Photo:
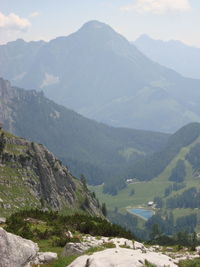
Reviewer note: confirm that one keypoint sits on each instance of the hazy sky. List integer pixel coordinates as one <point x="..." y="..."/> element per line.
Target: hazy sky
<point x="47" y="19"/>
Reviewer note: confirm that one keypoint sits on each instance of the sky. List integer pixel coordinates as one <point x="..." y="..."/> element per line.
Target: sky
<point x="48" y="19"/>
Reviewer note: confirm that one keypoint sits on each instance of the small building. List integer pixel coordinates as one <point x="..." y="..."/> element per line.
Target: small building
<point x="150" y="203"/>
<point x="129" y="181"/>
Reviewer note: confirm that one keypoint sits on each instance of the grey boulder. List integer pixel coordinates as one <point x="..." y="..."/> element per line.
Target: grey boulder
<point x="75" y="249"/>
<point x="16" y="251"/>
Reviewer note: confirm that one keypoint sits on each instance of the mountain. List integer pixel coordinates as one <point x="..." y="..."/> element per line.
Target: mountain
<point x="16" y="58"/>
<point x="172" y="54"/>
<point x="32" y="177"/>
<point x="186" y="139"/>
<point x="170" y="180"/>
<point x="98" y="73"/>
<point x="177" y="169"/>
<point x="99" y="151"/>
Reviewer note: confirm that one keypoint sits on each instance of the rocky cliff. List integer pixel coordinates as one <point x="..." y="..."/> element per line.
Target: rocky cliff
<point x="31" y="176"/>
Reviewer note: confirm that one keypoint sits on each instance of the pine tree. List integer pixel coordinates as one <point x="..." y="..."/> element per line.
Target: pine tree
<point x="83" y="181"/>
<point x="2" y="143"/>
<point x="104" y="209"/>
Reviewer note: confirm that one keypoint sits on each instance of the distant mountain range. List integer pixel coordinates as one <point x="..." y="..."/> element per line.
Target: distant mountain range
<point x="99" y="151"/>
<point x="98" y="73"/>
<point x="173" y="54"/>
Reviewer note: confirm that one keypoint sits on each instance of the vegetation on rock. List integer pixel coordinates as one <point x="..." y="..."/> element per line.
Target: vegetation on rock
<point x="31" y="176"/>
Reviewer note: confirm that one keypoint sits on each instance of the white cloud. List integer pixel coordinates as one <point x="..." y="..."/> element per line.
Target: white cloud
<point x="158" y="6"/>
<point x="13" y="22"/>
<point x="34" y="14"/>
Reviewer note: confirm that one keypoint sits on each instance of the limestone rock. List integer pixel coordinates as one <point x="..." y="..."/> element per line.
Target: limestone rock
<point x="44" y="180"/>
<point x="198" y="249"/>
<point x="45" y="257"/>
<point x="2" y="220"/>
<point x="75" y="248"/>
<point x="138" y="245"/>
<point x="122" y="257"/>
<point x="16" y="251"/>
<point x="69" y="234"/>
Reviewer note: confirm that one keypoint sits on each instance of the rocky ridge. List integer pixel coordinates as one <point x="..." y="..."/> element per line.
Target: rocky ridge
<point x="31" y="176"/>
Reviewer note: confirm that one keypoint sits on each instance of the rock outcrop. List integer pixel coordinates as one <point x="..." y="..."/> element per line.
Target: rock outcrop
<point x="33" y="177"/>
<point x="122" y="257"/>
<point x="44" y="257"/>
<point x="123" y="253"/>
<point x="2" y="220"/>
<point x="16" y="251"/>
<point x="19" y="252"/>
<point x="75" y="249"/>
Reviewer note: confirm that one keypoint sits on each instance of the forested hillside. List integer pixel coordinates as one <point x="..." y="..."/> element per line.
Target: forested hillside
<point x="157" y="162"/>
<point x="98" y="151"/>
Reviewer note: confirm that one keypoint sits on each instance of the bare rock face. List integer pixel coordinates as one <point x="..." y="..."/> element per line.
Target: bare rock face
<point x="16" y="251"/>
<point x="45" y="257"/>
<point x="75" y="249"/>
<point x="126" y="253"/>
<point x="122" y="257"/>
<point x="42" y="180"/>
<point x="2" y="220"/>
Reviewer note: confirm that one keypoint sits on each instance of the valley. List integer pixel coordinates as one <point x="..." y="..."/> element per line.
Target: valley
<point x="160" y="190"/>
<point x="101" y="152"/>
<point x="99" y="136"/>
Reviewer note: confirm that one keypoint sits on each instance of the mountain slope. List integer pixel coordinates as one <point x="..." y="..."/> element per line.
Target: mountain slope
<point x="16" y="58"/>
<point x="169" y="178"/>
<point x="98" y="73"/>
<point x="31" y="177"/>
<point x="179" y="143"/>
<point x="95" y="149"/>
<point x="172" y="54"/>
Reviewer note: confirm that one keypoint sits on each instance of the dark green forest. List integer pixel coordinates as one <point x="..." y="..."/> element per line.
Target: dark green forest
<point x="100" y="152"/>
<point x="157" y="162"/>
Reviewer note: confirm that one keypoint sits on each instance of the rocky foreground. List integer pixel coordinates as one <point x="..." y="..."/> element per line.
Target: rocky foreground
<point x="122" y="257"/>
<point x="92" y="251"/>
<point x="125" y="253"/>
<point x="16" y="251"/>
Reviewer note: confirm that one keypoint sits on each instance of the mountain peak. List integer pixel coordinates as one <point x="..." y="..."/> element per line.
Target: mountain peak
<point x="100" y="33"/>
<point x="95" y="24"/>
<point x="144" y="36"/>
